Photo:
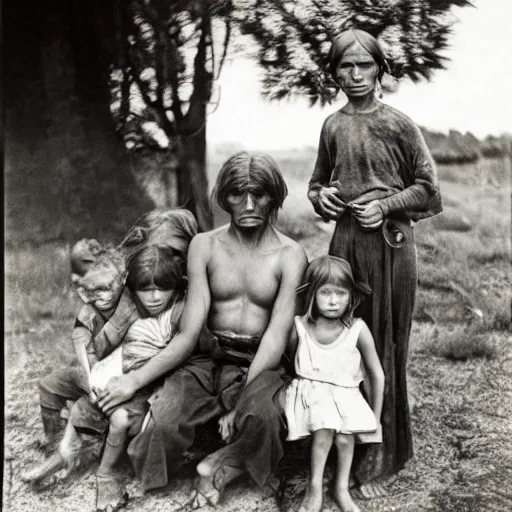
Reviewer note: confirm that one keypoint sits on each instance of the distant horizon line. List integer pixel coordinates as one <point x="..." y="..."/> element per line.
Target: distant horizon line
<point x="243" y="145"/>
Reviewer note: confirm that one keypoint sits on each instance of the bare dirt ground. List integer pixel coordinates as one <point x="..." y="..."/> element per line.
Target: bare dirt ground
<point x="460" y="374"/>
<point x="461" y="421"/>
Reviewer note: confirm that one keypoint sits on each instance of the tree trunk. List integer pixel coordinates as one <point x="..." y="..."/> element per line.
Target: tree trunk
<point x="68" y="171"/>
<point x="193" y="180"/>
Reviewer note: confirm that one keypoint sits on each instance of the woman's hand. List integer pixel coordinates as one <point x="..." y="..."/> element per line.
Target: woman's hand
<point x="118" y="390"/>
<point x="227" y="426"/>
<point x="329" y="204"/>
<point x="369" y="215"/>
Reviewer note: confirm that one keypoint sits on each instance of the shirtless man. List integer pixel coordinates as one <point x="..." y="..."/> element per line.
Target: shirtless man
<point x="242" y="282"/>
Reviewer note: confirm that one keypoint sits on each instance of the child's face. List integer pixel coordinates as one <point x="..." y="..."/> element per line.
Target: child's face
<point x="332" y="301"/>
<point x="102" y="287"/>
<point x="154" y="300"/>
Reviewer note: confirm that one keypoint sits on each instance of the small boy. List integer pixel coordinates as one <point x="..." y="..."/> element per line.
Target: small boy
<point x="99" y="275"/>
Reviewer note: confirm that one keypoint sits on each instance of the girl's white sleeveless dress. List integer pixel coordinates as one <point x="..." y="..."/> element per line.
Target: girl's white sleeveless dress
<point x="326" y="392"/>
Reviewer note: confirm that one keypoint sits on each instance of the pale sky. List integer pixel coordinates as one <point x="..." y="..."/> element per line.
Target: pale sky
<point x="473" y="94"/>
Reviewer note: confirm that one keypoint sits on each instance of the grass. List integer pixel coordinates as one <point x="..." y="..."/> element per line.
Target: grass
<point x="463" y="343"/>
<point x="38" y="286"/>
<point x="460" y="363"/>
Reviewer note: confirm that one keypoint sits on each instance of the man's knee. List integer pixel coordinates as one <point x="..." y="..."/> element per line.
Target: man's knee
<point x="204" y="469"/>
<point x="119" y="420"/>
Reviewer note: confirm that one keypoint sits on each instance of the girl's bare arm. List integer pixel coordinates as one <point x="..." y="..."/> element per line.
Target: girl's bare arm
<point x="371" y="361"/>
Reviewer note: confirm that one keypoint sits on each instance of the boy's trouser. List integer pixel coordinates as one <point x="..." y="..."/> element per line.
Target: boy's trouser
<point x="55" y="389"/>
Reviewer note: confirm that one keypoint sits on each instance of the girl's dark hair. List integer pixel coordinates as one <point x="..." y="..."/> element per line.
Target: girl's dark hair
<point x="153" y="265"/>
<point x="346" y="39"/>
<point x="329" y="270"/>
<point x="158" y="226"/>
<point x="258" y="168"/>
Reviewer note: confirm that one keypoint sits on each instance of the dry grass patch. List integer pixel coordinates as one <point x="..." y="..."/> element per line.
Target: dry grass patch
<point x="452" y="220"/>
<point x="463" y="344"/>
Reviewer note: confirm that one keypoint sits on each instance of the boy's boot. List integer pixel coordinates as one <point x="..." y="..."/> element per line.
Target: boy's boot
<point x="53" y="425"/>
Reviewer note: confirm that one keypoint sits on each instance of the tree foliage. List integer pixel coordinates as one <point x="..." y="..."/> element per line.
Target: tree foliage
<point x="294" y="39"/>
<point x="169" y="53"/>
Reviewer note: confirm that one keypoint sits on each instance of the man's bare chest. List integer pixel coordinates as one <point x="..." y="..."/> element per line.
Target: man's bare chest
<point x="254" y="275"/>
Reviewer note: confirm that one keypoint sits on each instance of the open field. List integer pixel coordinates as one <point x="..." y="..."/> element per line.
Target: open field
<point x="460" y="363"/>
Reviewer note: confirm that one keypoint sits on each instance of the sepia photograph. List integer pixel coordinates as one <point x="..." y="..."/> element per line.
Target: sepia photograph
<point x="257" y="255"/>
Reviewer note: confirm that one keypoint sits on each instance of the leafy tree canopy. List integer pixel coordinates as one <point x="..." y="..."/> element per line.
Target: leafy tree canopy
<point x="169" y="53"/>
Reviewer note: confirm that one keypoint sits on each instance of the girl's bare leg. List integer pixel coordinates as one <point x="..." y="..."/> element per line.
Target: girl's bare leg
<point x="345" y="446"/>
<point x="322" y="442"/>
<point x="109" y="492"/>
<point x="66" y="455"/>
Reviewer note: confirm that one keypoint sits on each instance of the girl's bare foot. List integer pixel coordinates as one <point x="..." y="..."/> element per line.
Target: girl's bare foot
<point x="313" y="500"/>
<point x="344" y="500"/>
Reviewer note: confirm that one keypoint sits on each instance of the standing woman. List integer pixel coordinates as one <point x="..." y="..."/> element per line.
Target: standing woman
<point x="374" y="175"/>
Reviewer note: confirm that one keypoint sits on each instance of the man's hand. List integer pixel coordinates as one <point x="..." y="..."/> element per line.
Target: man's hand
<point x="227" y="426"/>
<point x="369" y="215"/>
<point x="331" y="206"/>
<point x="118" y="390"/>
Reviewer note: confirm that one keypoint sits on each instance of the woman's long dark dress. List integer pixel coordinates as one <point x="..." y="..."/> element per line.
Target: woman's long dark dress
<point x="381" y="155"/>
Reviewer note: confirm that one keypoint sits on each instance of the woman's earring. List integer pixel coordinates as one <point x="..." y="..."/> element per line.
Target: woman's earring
<point x="378" y="90"/>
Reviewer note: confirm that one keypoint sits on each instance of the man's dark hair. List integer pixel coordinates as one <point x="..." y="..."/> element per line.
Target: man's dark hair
<point x="259" y="169"/>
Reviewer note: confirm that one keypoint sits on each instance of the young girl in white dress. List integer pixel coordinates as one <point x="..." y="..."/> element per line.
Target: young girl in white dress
<point x="324" y="399"/>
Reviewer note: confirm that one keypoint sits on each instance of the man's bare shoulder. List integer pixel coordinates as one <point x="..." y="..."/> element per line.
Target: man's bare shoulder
<point x="200" y="243"/>
<point x="289" y="243"/>
<point x="291" y="248"/>
<point x="204" y="243"/>
<point x="207" y="239"/>
<point x="218" y="233"/>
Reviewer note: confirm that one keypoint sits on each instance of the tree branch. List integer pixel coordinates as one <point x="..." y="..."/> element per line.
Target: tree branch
<point x="196" y="115"/>
<point x="121" y="41"/>
<point x="227" y="37"/>
<point x="166" y="53"/>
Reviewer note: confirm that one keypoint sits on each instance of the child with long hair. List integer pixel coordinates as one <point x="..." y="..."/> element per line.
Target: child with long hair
<point x="158" y="283"/>
<point x="324" y="399"/>
<point x="156" y="278"/>
<point x="98" y="274"/>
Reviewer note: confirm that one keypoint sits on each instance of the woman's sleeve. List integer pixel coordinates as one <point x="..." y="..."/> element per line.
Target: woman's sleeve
<point x="322" y="171"/>
<point x="421" y="196"/>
